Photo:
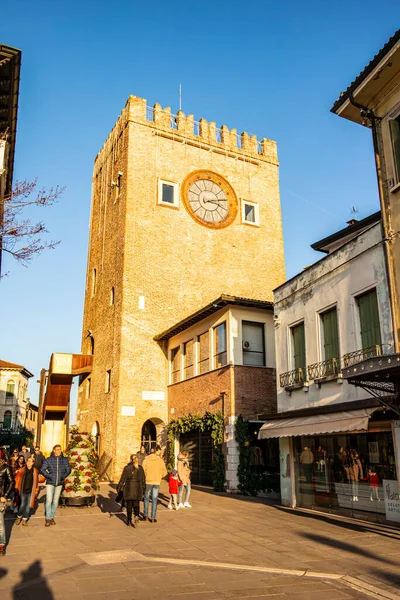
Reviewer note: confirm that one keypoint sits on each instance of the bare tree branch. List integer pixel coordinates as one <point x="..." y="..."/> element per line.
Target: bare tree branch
<point x="20" y="237"/>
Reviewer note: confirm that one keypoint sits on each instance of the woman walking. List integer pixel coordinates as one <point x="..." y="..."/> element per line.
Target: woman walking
<point x="26" y="485"/>
<point x="184" y="476"/>
<point x="132" y="485"/>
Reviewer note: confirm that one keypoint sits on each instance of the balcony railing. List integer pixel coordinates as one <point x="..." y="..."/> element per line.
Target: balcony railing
<point x="358" y="356"/>
<point x="326" y="368"/>
<point x="295" y="377"/>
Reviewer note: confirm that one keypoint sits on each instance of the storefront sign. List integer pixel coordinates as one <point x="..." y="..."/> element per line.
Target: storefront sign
<point x="392" y="499"/>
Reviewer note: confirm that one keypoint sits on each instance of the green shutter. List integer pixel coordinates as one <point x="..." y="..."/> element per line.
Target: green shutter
<point x="299" y="347"/>
<point x="331" y="337"/>
<point x="395" y="136"/>
<point x="369" y="319"/>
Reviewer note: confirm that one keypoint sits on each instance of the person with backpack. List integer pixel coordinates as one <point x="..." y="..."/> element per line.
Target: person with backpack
<point x="131" y="487"/>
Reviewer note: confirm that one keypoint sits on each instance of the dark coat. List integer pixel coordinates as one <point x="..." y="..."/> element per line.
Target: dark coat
<point x="132" y="482"/>
<point x="6" y="481"/>
<point x="55" y="469"/>
<point x="39" y="460"/>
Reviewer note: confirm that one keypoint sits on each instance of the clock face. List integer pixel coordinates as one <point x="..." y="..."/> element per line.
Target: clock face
<point x="209" y="199"/>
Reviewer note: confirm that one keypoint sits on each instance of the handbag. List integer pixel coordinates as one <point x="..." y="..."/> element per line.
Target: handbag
<point x="119" y="497"/>
<point x="41" y="479"/>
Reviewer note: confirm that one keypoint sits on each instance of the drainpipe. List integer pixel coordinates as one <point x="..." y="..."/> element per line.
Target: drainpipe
<point x="385" y="211"/>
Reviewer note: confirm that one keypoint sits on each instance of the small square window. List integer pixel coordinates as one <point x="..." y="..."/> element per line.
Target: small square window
<point x="168" y="193"/>
<point x="250" y="213"/>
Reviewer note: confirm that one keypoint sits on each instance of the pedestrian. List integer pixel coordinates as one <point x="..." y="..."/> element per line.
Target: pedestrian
<point x="173" y="484"/>
<point x="6" y="485"/>
<point x="39" y="458"/>
<point x="14" y="458"/>
<point x="132" y="486"/>
<point x="141" y="455"/>
<point x="154" y="470"/>
<point x="184" y="476"/>
<point x="26" y="483"/>
<point x="55" y="469"/>
<point x="25" y="452"/>
<point x="18" y="465"/>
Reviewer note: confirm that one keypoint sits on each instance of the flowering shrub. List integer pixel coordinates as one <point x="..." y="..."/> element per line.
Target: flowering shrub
<point x="83" y="479"/>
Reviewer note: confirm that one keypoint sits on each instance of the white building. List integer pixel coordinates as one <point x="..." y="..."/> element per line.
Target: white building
<point x="334" y="314"/>
<point x="13" y="395"/>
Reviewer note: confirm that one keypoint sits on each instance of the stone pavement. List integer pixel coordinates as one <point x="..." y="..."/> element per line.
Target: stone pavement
<point x="224" y="547"/>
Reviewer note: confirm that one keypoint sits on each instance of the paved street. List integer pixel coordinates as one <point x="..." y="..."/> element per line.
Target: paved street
<point x="262" y="551"/>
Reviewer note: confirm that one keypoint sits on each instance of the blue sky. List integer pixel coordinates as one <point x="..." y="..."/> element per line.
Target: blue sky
<point x="269" y="68"/>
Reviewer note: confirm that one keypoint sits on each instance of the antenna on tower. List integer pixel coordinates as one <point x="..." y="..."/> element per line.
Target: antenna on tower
<point x="354" y="211"/>
<point x="180" y="96"/>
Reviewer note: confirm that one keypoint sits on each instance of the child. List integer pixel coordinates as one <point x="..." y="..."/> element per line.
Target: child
<point x="174" y="484"/>
<point x="373" y="480"/>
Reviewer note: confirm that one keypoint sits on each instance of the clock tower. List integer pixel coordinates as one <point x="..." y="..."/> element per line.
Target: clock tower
<point x="182" y="212"/>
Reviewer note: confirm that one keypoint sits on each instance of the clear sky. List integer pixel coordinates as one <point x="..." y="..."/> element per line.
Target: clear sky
<point x="269" y="68"/>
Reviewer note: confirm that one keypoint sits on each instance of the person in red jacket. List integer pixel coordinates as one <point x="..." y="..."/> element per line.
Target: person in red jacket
<point x="373" y="480"/>
<point x="174" y="484"/>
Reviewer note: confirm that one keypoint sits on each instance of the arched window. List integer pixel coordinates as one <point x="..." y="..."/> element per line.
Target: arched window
<point x="7" y="419"/>
<point x="10" y="390"/>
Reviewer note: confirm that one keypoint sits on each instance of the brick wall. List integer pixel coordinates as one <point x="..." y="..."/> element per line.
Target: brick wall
<point x="255" y="391"/>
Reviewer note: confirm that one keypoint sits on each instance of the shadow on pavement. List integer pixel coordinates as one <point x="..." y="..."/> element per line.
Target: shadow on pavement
<point x="32" y="584"/>
<point x="391" y="578"/>
<point x="340" y="545"/>
<point x="3" y="573"/>
<point x="387" y="531"/>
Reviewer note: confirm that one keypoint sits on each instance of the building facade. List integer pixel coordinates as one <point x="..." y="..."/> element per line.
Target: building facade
<point x="182" y="211"/>
<point x="14" y="381"/>
<point x="337" y="443"/>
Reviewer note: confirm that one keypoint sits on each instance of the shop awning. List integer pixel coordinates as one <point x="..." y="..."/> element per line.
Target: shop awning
<point x="351" y="420"/>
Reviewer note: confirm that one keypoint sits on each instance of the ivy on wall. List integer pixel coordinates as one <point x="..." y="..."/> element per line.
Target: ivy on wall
<point x="213" y="422"/>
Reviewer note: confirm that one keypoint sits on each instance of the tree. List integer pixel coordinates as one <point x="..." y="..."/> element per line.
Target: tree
<point x="19" y="236"/>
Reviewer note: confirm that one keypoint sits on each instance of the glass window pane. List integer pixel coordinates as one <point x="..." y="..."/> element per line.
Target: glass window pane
<point x="168" y="193"/>
<point x="220" y="353"/>
<point x="253" y="344"/>
<point x="204" y="352"/>
<point x="176" y="364"/>
<point x="188" y="349"/>
<point x="249" y="213"/>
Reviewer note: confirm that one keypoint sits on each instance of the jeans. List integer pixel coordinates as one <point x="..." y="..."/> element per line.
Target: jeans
<point x="173" y="500"/>
<point x="152" y="490"/>
<point x="2" y="528"/>
<point x="24" y="509"/>
<point x="52" y="497"/>
<point x="180" y="492"/>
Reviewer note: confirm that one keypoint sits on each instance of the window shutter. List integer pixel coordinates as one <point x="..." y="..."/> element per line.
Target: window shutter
<point x="394" y="125"/>
<point x="331" y="337"/>
<point x="369" y="319"/>
<point x="299" y="347"/>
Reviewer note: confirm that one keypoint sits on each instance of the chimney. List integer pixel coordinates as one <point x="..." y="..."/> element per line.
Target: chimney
<point x="352" y="222"/>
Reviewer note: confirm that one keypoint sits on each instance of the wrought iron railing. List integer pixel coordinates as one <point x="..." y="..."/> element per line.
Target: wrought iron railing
<point x="353" y="358"/>
<point x="295" y="377"/>
<point x="325" y="368"/>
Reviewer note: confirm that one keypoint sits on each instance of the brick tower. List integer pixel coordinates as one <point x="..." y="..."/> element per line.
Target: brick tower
<point x="182" y="211"/>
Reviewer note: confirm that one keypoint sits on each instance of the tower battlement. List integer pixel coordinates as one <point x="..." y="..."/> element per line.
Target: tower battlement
<point x="186" y="129"/>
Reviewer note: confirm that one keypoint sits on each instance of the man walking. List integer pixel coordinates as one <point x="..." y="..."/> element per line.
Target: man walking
<point x="55" y="468"/>
<point x="39" y="458"/>
<point x="25" y="452"/>
<point x="154" y="469"/>
<point x="6" y="485"/>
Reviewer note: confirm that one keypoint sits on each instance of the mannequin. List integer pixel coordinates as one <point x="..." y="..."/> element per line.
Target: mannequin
<point x="355" y="473"/>
<point x="307" y="459"/>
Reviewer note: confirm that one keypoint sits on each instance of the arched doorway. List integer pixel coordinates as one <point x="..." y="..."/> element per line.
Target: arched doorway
<point x="95" y="433"/>
<point x="153" y="434"/>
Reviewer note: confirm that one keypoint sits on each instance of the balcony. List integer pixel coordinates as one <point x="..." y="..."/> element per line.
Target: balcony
<point x="295" y="378"/>
<point x="326" y="369"/>
<point x="352" y="358"/>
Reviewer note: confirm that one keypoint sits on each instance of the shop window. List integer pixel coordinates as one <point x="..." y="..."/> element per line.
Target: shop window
<point x="220" y="352"/>
<point x="298" y="342"/>
<point x="175" y="364"/>
<point x="188" y="353"/>
<point x="368" y="313"/>
<point x="253" y="343"/>
<point x="204" y="352"/>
